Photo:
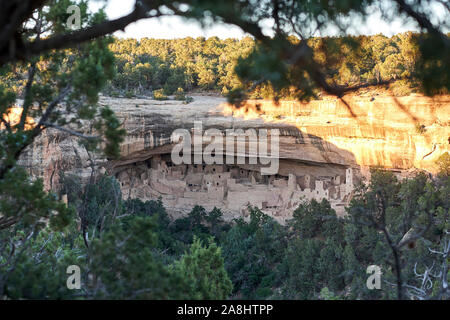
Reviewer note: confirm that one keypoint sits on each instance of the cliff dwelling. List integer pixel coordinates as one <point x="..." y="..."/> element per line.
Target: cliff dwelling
<point x="324" y="152"/>
<point x="233" y="188"/>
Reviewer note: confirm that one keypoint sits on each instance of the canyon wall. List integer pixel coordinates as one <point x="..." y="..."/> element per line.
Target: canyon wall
<point x="325" y="147"/>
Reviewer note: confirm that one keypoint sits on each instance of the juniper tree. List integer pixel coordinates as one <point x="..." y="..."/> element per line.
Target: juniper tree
<point x="60" y="91"/>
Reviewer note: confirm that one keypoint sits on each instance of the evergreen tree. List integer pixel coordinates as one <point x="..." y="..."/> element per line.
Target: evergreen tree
<point x="204" y="272"/>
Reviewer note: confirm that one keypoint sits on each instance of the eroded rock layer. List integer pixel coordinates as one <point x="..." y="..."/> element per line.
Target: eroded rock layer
<point x="325" y="147"/>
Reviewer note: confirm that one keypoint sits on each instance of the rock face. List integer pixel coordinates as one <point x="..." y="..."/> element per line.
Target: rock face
<point x="325" y="148"/>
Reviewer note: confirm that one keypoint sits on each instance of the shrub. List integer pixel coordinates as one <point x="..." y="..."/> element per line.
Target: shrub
<point x="159" y="95"/>
<point x="188" y="99"/>
<point x="180" y="95"/>
<point x="443" y="163"/>
<point x="402" y="88"/>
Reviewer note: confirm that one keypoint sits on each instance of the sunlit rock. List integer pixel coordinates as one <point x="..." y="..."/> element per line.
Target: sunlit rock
<point x="325" y="148"/>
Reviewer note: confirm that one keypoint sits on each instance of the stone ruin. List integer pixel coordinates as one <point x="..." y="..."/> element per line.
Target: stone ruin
<point x="324" y="150"/>
<point x="232" y="188"/>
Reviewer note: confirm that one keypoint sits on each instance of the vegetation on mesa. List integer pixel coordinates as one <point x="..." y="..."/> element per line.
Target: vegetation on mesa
<point x="162" y="68"/>
<point x="167" y="67"/>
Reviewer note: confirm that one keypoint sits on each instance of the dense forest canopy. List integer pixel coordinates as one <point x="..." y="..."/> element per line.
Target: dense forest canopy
<point x="209" y="64"/>
<point x="130" y="249"/>
<point x="174" y="67"/>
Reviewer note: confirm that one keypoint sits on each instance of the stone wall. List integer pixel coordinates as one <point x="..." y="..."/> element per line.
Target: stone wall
<point x="231" y="187"/>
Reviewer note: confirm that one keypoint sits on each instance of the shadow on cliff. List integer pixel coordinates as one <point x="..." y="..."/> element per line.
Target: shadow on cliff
<point x="295" y="146"/>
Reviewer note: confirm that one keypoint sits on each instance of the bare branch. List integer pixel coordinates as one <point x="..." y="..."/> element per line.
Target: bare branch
<point x="36" y="130"/>
<point x="422" y="20"/>
<point x="52" y="105"/>
<point x="27" y="96"/>
<point x="6" y="123"/>
<point x="14" y="13"/>
<point x="72" y="132"/>
<point x="39" y="46"/>
<point x="6" y="222"/>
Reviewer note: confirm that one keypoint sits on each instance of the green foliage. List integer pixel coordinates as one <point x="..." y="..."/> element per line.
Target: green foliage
<point x="314" y="219"/>
<point x="197" y="215"/>
<point x="109" y="126"/>
<point x="188" y="99"/>
<point x="159" y="95"/>
<point x="101" y="203"/>
<point x="228" y="65"/>
<point x="132" y="271"/>
<point x="314" y="257"/>
<point x="412" y="205"/>
<point x="59" y="89"/>
<point x="326" y="294"/>
<point x="135" y="251"/>
<point x="32" y="207"/>
<point x="307" y="64"/>
<point x="444" y="164"/>
<point x="203" y="269"/>
<point x="302" y="269"/>
<point x="433" y="69"/>
<point x="180" y="95"/>
<point x="200" y="224"/>
<point x="252" y="250"/>
<point x="39" y="271"/>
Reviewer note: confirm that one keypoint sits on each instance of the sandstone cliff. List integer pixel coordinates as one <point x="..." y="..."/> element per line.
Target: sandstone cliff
<point x="319" y="142"/>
